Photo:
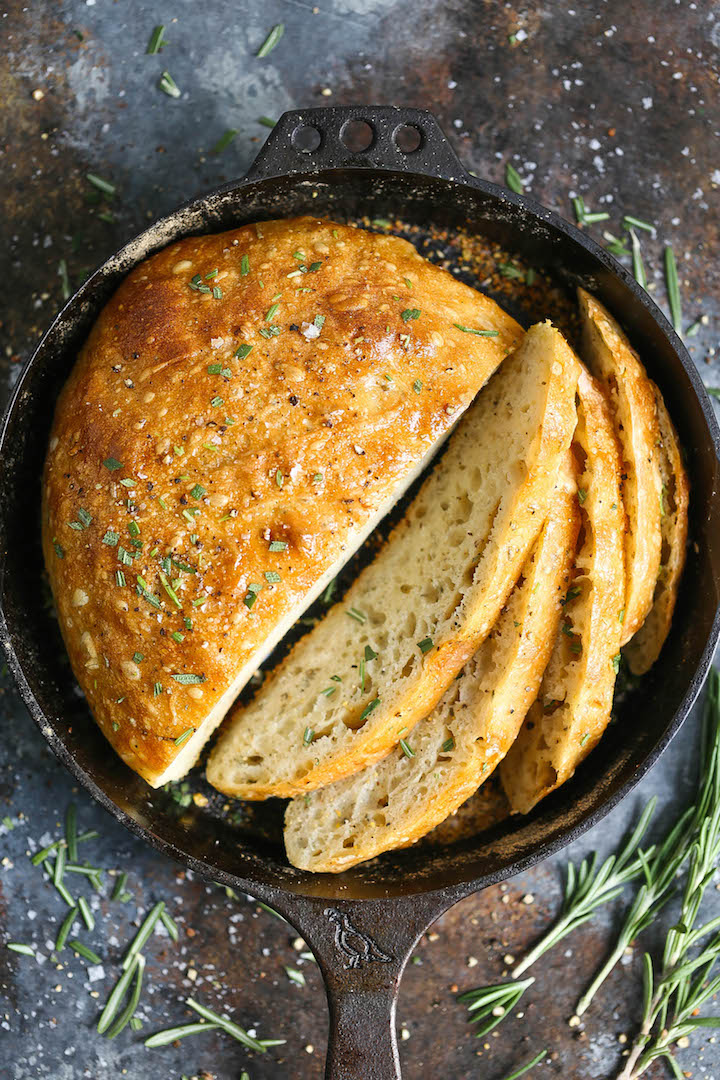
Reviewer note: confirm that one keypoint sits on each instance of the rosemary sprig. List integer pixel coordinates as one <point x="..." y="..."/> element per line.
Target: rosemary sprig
<point x="588" y="888"/>
<point x="214" y="1021"/>
<point x="672" y="998"/>
<point x="698" y="826"/>
<point x="493" y="1003"/>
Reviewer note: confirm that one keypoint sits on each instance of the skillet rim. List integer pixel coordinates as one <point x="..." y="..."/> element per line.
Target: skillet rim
<point x="201" y="206"/>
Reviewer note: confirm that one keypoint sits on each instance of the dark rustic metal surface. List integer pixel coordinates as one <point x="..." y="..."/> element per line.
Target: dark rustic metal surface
<point x="548" y="102"/>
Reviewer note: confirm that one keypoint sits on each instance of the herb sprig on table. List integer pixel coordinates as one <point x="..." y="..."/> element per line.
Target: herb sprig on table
<point x="60" y="860"/>
<point x="683" y="981"/>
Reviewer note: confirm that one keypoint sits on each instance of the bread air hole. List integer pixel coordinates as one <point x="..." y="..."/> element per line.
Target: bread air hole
<point x="408" y="667"/>
<point x="353" y="721"/>
<point x="431" y="593"/>
<point x="546" y="775"/>
<point x="454" y="604"/>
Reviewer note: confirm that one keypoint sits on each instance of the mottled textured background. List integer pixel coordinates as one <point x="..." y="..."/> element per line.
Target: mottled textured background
<point x="616" y="101"/>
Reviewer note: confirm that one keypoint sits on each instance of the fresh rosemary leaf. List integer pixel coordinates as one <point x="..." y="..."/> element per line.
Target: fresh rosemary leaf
<point x="87" y="915"/>
<point x="168" y="85"/>
<point x="164" y="1038"/>
<point x="65" y="929"/>
<point x="407" y="749"/>
<point x="18" y="947"/>
<point x="598" y="215"/>
<point x="615" y="246"/>
<point x="492" y="1003"/>
<point x="637" y="261"/>
<point x="673" y="289"/>
<point x="583" y="216"/>
<point x="65" y="289"/>
<point x="170" y="925"/>
<point x="629" y="222"/>
<point x="227" y="1025"/>
<point x="480" y="333"/>
<point x="119" y="888"/>
<point x="224" y="140"/>
<point x="522" y="1069"/>
<point x="157" y="41"/>
<point x="125" y="1016"/>
<point x="271" y="40"/>
<point x="512" y="179"/>
<point x="143" y="934"/>
<point x="84" y="951"/>
<point x="118" y="993"/>
<point x="59" y="869"/>
<point x="102" y="185"/>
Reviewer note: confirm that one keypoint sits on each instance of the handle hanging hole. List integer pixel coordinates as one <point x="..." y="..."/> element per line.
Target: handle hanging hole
<point x="407" y="138"/>
<point x="306" y="139"/>
<point x="357" y="136"/>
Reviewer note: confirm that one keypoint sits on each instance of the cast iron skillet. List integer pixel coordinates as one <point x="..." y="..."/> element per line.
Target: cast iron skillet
<point x="363" y="924"/>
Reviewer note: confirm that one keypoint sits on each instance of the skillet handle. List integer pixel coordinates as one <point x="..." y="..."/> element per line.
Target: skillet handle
<point x="308" y="140"/>
<point x="362" y="949"/>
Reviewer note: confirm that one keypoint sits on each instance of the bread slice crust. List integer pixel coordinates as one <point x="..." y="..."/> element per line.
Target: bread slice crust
<point x="382" y="658"/>
<point x="643" y="649"/>
<point x="454" y="750"/>
<point x="575" y="701"/>
<point x="247" y="405"/>
<point x="613" y="361"/>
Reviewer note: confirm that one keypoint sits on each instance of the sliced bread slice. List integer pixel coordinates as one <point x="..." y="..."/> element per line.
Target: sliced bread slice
<point x="613" y="361"/>
<point x="575" y="701"/>
<point x="398" y="800"/>
<point x="382" y="658"/>
<point x="644" y="648"/>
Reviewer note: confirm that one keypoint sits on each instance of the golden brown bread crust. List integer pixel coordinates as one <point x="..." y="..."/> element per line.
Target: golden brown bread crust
<point x="272" y="462"/>
<point x="613" y="361"/>
<point x="644" y="648"/>
<point x="575" y="701"/>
